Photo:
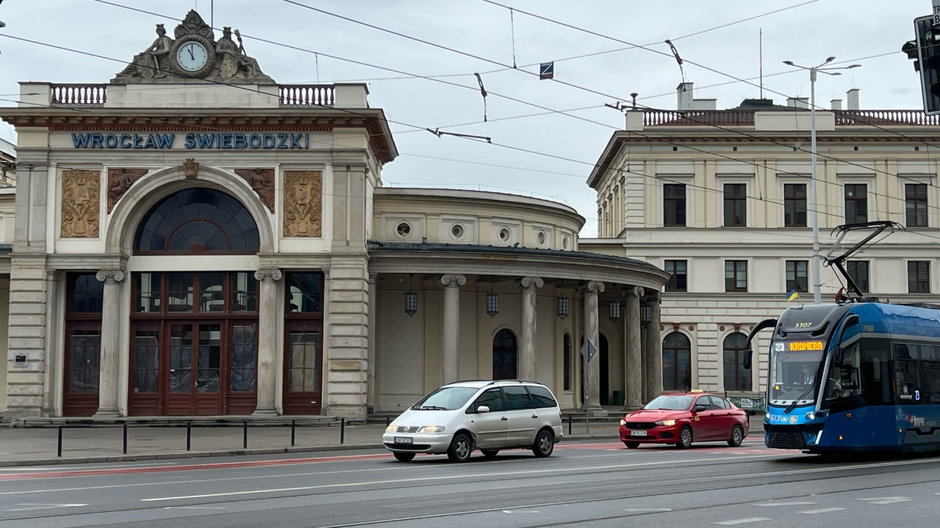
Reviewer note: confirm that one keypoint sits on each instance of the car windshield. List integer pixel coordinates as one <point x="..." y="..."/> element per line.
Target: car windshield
<point x="446" y="399"/>
<point x="670" y="403"/>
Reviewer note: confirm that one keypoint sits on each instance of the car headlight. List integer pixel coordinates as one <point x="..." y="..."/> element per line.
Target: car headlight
<point x="666" y="422"/>
<point x="431" y="429"/>
<point x="391" y="429"/>
<point x="623" y="422"/>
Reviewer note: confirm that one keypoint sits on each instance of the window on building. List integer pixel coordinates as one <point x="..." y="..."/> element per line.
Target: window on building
<point x="677" y="362"/>
<point x="797" y="275"/>
<point x="915" y="204"/>
<point x="794" y="205"/>
<point x="674" y="205"/>
<point x="736" y="275"/>
<point x="918" y="276"/>
<point x="678" y="275"/>
<point x="737" y="378"/>
<point x="856" y="203"/>
<point x="858" y="270"/>
<point x="735" y="205"/>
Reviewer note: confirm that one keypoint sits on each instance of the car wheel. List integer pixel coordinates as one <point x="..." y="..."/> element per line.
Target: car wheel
<point x="404" y="457"/>
<point x="489" y="453"/>
<point x="737" y="436"/>
<point x="544" y="444"/>
<point x="460" y="448"/>
<point x="685" y="438"/>
<point x="632" y="445"/>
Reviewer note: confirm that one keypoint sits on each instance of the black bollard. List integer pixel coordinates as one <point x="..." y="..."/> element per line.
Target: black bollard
<point x="342" y="430"/>
<point x="245" y="435"/>
<point x="125" y="438"/>
<point x="293" y="432"/>
<point x="189" y="435"/>
<point x="570" y="418"/>
<point x="59" y="449"/>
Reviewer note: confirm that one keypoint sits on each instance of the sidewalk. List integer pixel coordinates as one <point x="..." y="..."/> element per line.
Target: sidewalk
<point x="83" y="444"/>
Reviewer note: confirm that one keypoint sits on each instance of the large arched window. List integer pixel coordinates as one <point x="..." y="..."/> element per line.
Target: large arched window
<point x="736" y="378"/>
<point x="198" y="221"/>
<point x="677" y="362"/>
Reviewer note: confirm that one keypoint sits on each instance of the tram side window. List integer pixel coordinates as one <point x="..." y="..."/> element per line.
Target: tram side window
<point x="863" y="374"/>
<point x="916" y="373"/>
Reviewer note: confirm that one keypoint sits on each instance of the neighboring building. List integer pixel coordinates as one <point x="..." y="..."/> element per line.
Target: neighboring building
<point x="721" y="199"/>
<point x="224" y="246"/>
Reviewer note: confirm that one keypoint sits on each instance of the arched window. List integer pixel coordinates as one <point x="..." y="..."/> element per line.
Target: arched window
<point x="504" y="355"/>
<point x="736" y="378"/>
<point x="677" y="362"/>
<point x="198" y="221"/>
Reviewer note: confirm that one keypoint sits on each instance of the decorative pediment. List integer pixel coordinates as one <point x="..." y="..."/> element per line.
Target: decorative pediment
<point x="194" y="55"/>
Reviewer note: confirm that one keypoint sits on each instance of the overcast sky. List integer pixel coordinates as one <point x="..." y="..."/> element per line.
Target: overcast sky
<point x="419" y="58"/>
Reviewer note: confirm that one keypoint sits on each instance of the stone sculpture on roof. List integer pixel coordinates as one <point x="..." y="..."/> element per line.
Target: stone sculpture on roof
<point x="193" y="55"/>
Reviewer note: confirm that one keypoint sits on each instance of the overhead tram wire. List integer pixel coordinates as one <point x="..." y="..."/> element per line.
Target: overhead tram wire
<point x="468" y="88"/>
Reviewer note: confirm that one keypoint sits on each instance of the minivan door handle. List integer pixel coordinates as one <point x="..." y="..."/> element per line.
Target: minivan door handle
<point x="535" y="416"/>
<point x="504" y="418"/>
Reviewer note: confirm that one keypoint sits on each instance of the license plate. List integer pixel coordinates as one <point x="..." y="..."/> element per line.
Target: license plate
<point x="638" y="433"/>
<point x="409" y="440"/>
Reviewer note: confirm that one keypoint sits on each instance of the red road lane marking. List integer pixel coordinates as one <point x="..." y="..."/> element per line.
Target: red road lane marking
<point x="187" y="467"/>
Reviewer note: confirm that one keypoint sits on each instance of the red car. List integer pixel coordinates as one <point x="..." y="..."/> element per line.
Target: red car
<point x="682" y="418"/>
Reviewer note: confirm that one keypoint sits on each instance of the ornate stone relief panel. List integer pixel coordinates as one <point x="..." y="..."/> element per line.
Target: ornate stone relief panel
<point x="262" y="181"/>
<point x="81" y="196"/>
<point x="303" y="203"/>
<point x="119" y="181"/>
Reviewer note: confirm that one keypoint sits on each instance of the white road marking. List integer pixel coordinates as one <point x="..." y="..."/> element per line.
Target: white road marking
<point x="521" y="511"/>
<point x="28" y="506"/>
<point x="743" y="521"/>
<point x="886" y="500"/>
<point x="822" y="510"/>
<point x="193" y="508"/>
<point x="789" y="503"/>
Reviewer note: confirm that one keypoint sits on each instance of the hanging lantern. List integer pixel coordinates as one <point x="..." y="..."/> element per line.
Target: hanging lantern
<point x="492" y="304"/>
<point x="614" y="311"/>
<point x="411" y="302"/>
<point x="563" y="306"/>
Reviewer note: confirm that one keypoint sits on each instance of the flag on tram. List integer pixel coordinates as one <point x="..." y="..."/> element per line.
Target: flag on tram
<point x="793" y="295"/>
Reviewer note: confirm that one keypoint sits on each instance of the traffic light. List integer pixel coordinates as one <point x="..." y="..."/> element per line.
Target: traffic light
<point x="928" y="53"/>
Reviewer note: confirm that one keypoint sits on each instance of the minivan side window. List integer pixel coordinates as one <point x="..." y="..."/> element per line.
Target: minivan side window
<point x="541" y="396"/>
<point x="517" y="398"/>
<point x="492" y="398"/>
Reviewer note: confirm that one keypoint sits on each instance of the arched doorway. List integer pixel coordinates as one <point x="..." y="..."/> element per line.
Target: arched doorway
<point x="194" y="334"/>
<point x="504" y="355"/>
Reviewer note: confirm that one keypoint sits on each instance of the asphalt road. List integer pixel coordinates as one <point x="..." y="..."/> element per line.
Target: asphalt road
<point x="582" y="484"/>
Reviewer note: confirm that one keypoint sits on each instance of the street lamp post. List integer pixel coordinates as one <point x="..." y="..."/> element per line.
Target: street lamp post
<point x="817" y="279"/>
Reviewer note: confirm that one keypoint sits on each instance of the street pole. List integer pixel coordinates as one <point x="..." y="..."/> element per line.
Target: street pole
<point x="814" y="198"/>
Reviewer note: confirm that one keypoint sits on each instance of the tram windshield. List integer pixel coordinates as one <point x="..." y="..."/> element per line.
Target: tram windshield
<point x="794" y="371"/>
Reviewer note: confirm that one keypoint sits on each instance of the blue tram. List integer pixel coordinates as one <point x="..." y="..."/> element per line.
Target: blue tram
<point x="855" y="376"/>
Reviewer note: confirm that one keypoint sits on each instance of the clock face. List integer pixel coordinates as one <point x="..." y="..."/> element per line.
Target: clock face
<point x="192" y="56"/>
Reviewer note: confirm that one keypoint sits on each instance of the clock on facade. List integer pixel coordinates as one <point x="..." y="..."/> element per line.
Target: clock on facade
<point x="192" y="56"/>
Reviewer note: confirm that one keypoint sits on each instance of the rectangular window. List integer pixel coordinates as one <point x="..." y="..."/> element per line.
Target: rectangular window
<point x="794" y="205"/>
<point x="915" y="204"/>
<point x="735" y="205"/>
<point x="244" y="354"/>
<point x="858" y="270"/>
<point x="148" y="292"/>
<point x="674" y="205"/>
<point x="918" y="276"/>
<point x="736" y="275"/>
<point x="856" y="203"/>
<point x="797" y="275"/>
<point x="146" y="358"/>
<point x="678" y="275"/>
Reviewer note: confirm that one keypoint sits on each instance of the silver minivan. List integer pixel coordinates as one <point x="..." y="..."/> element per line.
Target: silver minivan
<point x="487" y="415"/>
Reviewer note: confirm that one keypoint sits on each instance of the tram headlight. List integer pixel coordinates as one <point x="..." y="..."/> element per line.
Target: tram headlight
<point x="810" y="416"/>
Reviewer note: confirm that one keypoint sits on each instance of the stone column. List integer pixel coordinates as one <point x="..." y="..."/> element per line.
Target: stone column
<point x="633" y="360"/>
<point x="109" y="374"/>
<point x="591" y="333"/>
<point x="267" y="341"/>
<point x="451" y="329"/>
<point x="527" y="348"/>
<point x="655" y="347"/>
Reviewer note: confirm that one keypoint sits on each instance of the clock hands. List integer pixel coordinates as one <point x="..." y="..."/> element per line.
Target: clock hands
<point x="190" y="49"/>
